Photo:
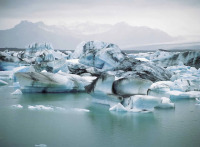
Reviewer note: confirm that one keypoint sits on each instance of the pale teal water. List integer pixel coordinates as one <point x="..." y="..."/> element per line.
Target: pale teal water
<point x="178" y="127"/>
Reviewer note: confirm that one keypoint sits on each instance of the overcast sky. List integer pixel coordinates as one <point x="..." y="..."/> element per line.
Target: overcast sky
<point x="176" y="17"/>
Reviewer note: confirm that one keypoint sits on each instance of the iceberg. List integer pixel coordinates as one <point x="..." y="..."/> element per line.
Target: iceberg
<point x="49" y="82"/>
<point x="146" y="103"/>
<point x="118" y="107"/>
<point x="131" y="86"/>
<point x="141" y="102"/>
<point x="165" y="103"/>
<point x="108" y="57"/>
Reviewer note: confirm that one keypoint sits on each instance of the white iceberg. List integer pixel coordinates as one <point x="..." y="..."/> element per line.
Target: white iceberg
<point x="165" y="103"/>
<point x="17" y="92"/>
<point x="118" y="107"/>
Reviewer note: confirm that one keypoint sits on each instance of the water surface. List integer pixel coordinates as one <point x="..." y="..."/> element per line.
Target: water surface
<point x="75" y="121"/>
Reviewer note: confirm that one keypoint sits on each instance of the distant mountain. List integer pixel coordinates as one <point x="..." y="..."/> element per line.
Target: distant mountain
<point x="126" y="35"/>
<point x="26" y="33"/>
<point x="69" y="37"/>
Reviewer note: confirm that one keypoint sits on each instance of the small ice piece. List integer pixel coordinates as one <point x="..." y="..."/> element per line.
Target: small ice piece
<point x="17" y="92"/>
<point x="118" y="107"/>
<point x="40" y="107"/>
<point x="197" y="99"/>
<point x="60" y="109"/>
<point x="17" y="106"/>
<point x="81" y="110"/>
<point x="3" y="83"/>
<point x="40" y="145"/>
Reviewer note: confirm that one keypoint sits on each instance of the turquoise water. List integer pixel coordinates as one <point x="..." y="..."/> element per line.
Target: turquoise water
<point x="75" y="121"/>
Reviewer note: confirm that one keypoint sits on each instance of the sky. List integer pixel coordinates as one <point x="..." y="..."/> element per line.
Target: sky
<point x="175" y="17"/>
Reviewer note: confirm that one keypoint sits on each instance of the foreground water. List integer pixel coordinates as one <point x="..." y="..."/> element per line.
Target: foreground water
<point x="73" y="120"/>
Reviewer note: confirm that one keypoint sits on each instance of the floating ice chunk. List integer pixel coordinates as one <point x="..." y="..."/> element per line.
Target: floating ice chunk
<point x="166" y="103"/>
<point x="198" y="100"/>
<point x="184" y="95"/>
<point x="17" y="92"/>
<point x="49" y="82"/>
<point x="3" y="83"/>
<point x="40" y="107"/>
<point x="40" y="145"/>
<point x="17" y="106"/>
<point x="118" y="107"/>
<point x="141" y="102"/>
<point x="81" y="110"/>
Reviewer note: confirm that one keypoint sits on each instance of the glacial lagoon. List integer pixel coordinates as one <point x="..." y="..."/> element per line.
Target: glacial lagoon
<point x="99" y="96"/>
<point x="75" y="120"/>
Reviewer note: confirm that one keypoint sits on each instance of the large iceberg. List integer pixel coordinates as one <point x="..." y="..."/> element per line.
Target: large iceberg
<point x="109" y="57"/>
<point x="49" y="82"/>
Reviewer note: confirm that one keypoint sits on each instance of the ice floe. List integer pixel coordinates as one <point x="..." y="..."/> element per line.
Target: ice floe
<point x="40" y="107"/>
